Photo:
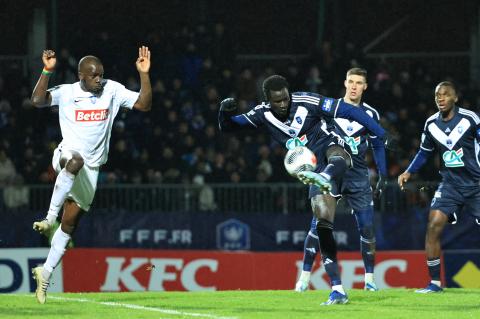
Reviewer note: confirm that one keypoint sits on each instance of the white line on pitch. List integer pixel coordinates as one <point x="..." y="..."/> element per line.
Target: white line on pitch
<point x="130" y="306"/>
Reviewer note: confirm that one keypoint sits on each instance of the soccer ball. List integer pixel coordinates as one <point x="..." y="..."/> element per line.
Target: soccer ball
<point x="299" y="159"/>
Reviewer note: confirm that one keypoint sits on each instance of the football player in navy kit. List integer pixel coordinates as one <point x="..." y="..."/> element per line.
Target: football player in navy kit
<point x="355" y="184"/>
<point x="297" y="118"/>
<point x="455" y="133"/>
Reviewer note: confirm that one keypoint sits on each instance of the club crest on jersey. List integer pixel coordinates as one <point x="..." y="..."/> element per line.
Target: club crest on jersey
<point x="298" y="119"/>
<point x="297" y="141"/>
<point x="453" y="158"/>
<point x="349" y="128"/>
<point x="460" y="129"/>
<point x="327" y="104"/>
<point x="353" y="142"/>
<point x="93" y="99"/>
<point x="91" y="115"/>
<point x="292" y="132"/>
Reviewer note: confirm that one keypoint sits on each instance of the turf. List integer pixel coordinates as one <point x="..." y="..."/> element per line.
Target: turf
<point x="394" y="303"/>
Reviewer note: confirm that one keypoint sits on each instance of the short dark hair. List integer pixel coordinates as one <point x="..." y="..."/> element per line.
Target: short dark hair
<point x="273" y="83"/>
<point x="358" y="71"/>
<point x="449" y="84"/>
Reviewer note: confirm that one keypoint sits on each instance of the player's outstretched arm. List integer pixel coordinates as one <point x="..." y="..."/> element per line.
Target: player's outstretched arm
<point x="144" y="102"/>
<point x="40" y="96"/>
<point x="353" y="113"/>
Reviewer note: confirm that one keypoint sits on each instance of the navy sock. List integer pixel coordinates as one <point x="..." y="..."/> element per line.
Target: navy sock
<point x="310" y="251"/>
<point x="336" y="167"/>
<point x="434" y="268"/>
<point x="367" y="237"/>
<point x="328" y="247"/>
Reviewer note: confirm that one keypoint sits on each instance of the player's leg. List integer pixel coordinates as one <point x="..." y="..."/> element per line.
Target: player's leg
<point x="365" y="225"/>
<point x="42" y="274"/>
<point x="338" y="161"/>
<point x="79" y="200"/>
<point x="310" y="250"/>
<point x="436" y="223"/>
<point x="324" y="210"/>
<point x="68" y="164"/>
<point x="448" y="199"/>
<point x="358" y="194"/>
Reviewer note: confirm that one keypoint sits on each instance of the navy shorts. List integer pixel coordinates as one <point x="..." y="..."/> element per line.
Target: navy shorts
<point x="358" y="193"/>
<point x="450" y="199"/>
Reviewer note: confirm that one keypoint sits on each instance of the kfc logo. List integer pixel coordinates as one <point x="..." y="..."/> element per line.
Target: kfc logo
<point x="91" y="115"/>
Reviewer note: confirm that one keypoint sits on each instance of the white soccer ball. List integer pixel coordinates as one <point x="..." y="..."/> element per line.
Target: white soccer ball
<point x="299" y="159"/>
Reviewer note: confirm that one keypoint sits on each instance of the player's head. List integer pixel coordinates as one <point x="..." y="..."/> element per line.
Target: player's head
<point x="355" y="84"/>
<point x="275" y="90"/>
<point x="90" y="73"/>
<point x="445" y="96"/>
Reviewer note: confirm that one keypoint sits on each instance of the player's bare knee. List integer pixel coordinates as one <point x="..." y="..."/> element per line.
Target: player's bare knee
<point x="75" y="164"/>
<point x="320" y="208"/>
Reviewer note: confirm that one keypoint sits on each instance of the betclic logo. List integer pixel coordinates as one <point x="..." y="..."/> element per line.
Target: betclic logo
<point x="91" y="115"/>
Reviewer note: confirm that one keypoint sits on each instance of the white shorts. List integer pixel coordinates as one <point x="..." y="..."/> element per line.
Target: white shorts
<point x="85" y="184"/>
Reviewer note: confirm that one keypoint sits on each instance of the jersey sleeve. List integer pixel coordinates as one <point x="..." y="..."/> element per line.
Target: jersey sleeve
<point x="427" y="143"/>
<point x="125" y="97"/>
<point x="378" y="145"/>
<point x="376" y="117"/>
<point x="251" y="119"/>
<point x="56" y="93"/>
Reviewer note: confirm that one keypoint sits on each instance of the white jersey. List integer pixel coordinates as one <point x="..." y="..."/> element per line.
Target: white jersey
<point x="86" y="120"/>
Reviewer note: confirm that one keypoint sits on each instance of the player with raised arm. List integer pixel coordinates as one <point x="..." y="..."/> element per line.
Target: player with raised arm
<point x="454" y="132"/>
<point x="296" y="118"/>
<point x="355" y="184"/>
<point x="86" y="111"/>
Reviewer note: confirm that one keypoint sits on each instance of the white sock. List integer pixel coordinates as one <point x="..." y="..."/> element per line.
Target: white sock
<point x="63" y="185"/>
<point x="304" y="276"/>
<point x="339" y="288"/>
<point x="57" y="249"/>
<point x="437" y="282"/>
<point x="369" y="277"/>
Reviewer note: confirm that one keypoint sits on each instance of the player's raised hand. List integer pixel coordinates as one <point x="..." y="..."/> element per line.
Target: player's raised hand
<point x="49" y="59"/>
<point x="228" y="105"/>
<point x="143" y="61"/>
<point x="403" y="179"/>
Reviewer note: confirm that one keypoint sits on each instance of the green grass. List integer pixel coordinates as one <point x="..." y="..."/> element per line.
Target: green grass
<point x="392" y="304"/>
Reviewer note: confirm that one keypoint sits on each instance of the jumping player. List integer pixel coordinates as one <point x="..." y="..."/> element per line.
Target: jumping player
<point x="355" y="184"/>
<point x="455" y="133"/>
<point x="86" y="112"/>
<point x="296" y="118"/>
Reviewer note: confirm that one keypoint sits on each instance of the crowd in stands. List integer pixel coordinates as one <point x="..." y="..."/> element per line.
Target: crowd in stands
<point x="179" y="141"/>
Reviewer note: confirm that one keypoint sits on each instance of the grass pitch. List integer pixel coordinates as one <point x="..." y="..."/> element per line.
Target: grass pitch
<point x="394" y="303"/>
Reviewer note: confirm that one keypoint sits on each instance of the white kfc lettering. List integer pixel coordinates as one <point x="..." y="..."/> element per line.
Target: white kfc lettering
<point x="190" y="270"/>
<point x="165" y="270"/>
<point x="115" y="274"/>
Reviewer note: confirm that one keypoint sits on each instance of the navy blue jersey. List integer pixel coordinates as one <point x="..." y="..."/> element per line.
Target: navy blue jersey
<point x="359" y="140"/>
<point x="304" y="122"/>
<point x="457" y="141"/>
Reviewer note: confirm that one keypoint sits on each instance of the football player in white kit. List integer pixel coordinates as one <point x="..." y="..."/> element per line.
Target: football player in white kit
<point x="87" y="109"/>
